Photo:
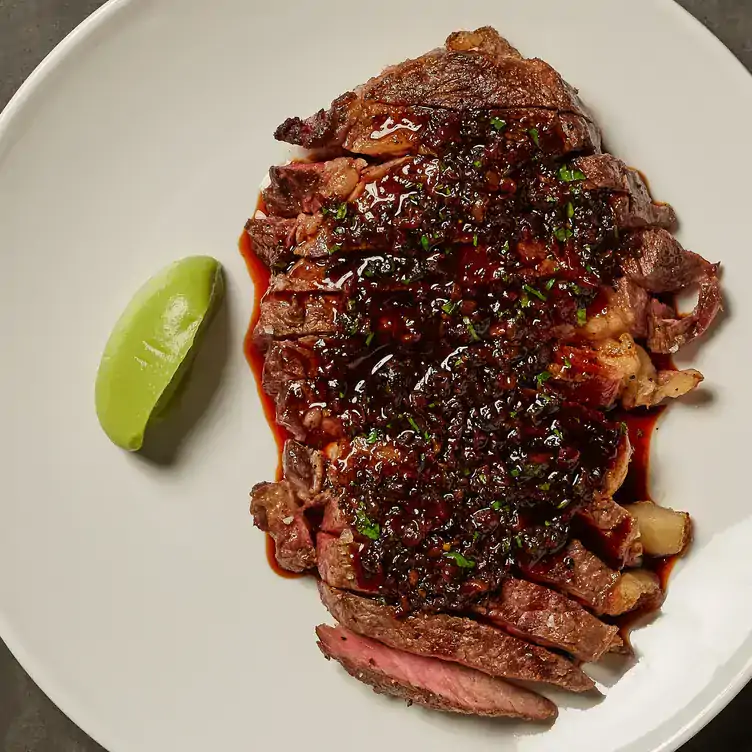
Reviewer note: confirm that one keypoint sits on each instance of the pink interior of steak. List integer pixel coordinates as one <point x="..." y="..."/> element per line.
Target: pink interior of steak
<point x="463" y="302"/>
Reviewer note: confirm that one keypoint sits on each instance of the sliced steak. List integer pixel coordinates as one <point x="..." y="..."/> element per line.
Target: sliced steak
<point x="307" y="186"/>
<point x="385" y="130"/>
<point x="454" y="78"/>
<point x="299" y="412"/>
<point x="659" y="264"/>
<point x="276" y="511"/>
<point x="548" y="618"/>
<point x="579" y="573"/>
<point x="288" y="360"/>
<point x="303" y="468"/>
<point x="430" y="682"/>
<point x="453" y="638"/>
<point x="272" y="238"/>
<point x="334" y="558"/>
<point x="283" y="317"/>
<point x="633" y="207"/>
<point x="609" y="530"/>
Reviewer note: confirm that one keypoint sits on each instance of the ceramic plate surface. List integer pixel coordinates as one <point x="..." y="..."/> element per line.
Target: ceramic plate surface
<point x="136" y="592"/>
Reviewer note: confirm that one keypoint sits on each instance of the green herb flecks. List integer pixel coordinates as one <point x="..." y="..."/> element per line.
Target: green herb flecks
<point x="538" y="294"/>
<point x="535" y="136"/>
<point x="569" y="175"/>
<point x="543" y="377"/>
<point x="581" y="316"/>
<point x="562" y="234"/>
<point x="471" y="329"/>
<point x="498" y="124"/>
<point x="365" y="526"/>
<point x="459" y="559"/>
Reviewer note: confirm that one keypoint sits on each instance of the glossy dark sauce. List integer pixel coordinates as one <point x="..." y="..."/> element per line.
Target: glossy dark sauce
<point x="453" y="279"/>
<point x="260" y="277"/>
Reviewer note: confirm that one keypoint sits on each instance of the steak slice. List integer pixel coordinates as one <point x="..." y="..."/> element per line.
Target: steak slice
<point x="548" y="618"/>
<point x="288" y="360"/>
<point x="334" y="559"/>
<point x="492" y="75"/>
<point x="378" y="130"/>
<point x="578" y="573"/>
<point x="609" y="530"/>
<point x="632" y="204"/>
<point x="430" y="682"/>
<point x="659" y="264"/>
<point x="303" y="468"/>
<point x="276" y="511"/>
<point x="454" y="638"/>
<point x="283" y="317"/>
<point x="306" y="186"/>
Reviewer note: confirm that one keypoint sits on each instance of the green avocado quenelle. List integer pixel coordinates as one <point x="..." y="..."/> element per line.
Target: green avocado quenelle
<point x="152" y="345"/>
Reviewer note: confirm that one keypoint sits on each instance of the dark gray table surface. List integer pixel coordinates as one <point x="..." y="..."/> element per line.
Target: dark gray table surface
<point x="29" y="29"/>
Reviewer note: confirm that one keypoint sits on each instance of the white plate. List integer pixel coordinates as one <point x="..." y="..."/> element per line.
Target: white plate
<point x="138" y="594"/>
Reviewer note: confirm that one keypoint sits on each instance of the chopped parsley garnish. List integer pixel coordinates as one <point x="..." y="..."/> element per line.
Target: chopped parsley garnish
<point x="475" y="239"/>
<point x="470" y="328"/>
<point x="459" y="559"/>
<point x="570" y="210"/>
<point x="369" y="338"/>
<point x="563" y="504"/>
<point x="443" y="190"/>
<point x="525" y="301"/>
<point x="505" y="247"/>
<point x="514" y="472"/>
<point x="538" y="294"/>
<point x="570" y="175"/>
<point x="477" y="164"/>
<point x="449" y="307"/>
<point x="535" y="136"/>
<point x="334" y="248"/>
<point x="373" y="436"/>
<point x="581" y="317"/>
<point x="551" y="282"/>
<point x="341" y="212"/>
<point x="518" y="540"/>
<point x="496" y="505"/>
<point x="498" y="124"/>
<point x="365" y="526"/>
<point x="425" y="242"/>
<point x="545" y="486"/>
<point x="562" y="234"/>
<point x="542" y="377"/>
<point x="567" y="363"/>
<point x="413" y="424"/>
<point x="416" y="427"/>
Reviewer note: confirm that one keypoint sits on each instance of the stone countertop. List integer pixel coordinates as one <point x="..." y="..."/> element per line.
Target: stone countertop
<point x="29" y="29"/>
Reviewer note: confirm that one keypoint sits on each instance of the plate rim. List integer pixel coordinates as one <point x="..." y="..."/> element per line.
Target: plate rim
<point x="14" y="108"/>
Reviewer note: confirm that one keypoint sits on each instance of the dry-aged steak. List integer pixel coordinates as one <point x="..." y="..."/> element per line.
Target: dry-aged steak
<point x="467" y="298"/>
